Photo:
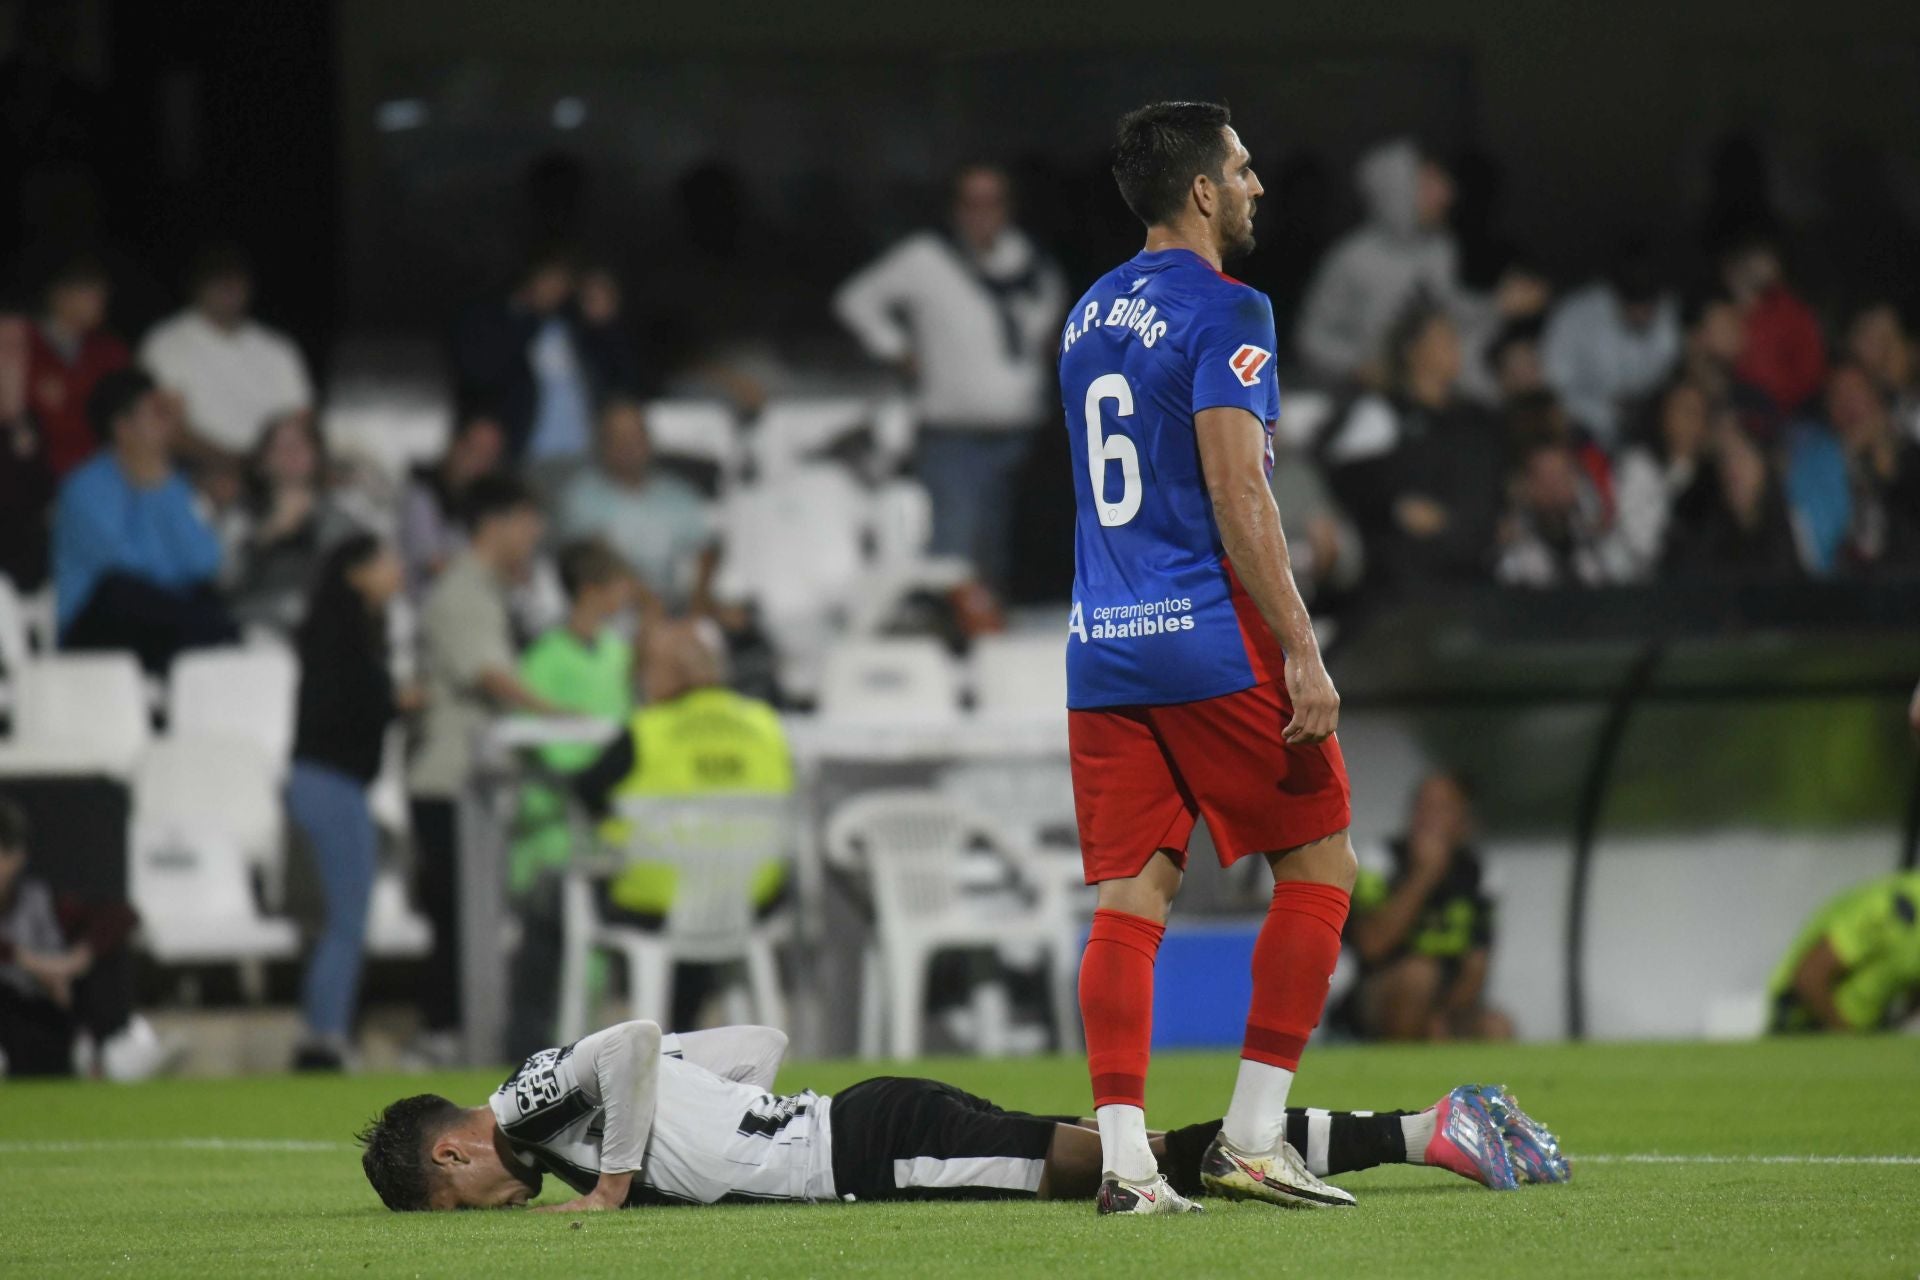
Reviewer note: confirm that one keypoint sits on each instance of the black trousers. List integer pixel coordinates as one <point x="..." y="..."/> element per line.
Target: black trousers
<point x="436" y="886"/>
<point x="125" y="612"/>
<point x="37" y="1035"/>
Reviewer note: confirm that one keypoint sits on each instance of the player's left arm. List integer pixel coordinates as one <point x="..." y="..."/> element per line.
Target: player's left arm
<point x="1233" y="457"/>
<point x="1815" y="982"/>
<point x="1464" y="995"/>
<point x="624" y="1064"/>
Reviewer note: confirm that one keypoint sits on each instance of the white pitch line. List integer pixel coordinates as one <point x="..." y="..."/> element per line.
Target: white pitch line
<point x="247" y="1145"/>
<point x="275" y="1145"/>
<point x="1656" y="1158"/>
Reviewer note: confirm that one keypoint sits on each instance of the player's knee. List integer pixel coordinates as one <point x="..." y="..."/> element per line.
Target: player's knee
<point x="1328" y="861"/>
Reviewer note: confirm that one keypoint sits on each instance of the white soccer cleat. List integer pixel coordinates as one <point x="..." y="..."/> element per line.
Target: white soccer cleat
<point x="1278" y="1177"/>
<point x="1120" y="1196"/>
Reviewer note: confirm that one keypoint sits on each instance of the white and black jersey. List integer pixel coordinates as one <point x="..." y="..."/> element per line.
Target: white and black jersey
<point x="693" y="1119"/>
<point x="713" y="1136"/>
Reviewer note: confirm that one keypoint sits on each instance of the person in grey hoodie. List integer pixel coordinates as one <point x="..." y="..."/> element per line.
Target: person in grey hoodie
<point x="1402" y="251"/>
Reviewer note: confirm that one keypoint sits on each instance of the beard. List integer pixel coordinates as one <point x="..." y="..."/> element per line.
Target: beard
<point x="1241" y="243"/>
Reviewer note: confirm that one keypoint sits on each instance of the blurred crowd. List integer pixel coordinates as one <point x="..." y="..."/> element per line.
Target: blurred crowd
<point x="1445" y="423"/>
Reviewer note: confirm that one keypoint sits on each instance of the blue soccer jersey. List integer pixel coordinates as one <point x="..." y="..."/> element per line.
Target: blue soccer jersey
<point x="1157" y="614"/>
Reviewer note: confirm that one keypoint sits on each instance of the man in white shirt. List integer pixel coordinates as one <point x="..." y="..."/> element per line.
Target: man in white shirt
<point x="233" y="373"/>
<point x="970" y="313"/>
<point x="629" y="1116"/>
<point x="1609" y="345"/>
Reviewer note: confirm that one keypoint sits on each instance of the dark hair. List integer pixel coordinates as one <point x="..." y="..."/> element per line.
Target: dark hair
<point x="221" y="261"/>
<point x="396" y="1149"/>
<point x="1701" y="301"/>
<point x="1518" y="332"/>
<point x="333" y="603"/>
<point x="552" y="255"/>
<point x="258" y="495"/>
<point x="1159" y="149"/>
<point x="81" y="268"/>
<point x="1407" y="329"/>
<point x="493" y="495"/>
<point x="1633" y="273"/>
<point x="15" y="830"/>
<point x="114" y="396"/>
<point x="589" y="562"/>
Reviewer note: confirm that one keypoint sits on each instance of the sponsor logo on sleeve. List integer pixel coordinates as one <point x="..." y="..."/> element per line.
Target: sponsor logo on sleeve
<point x="1247" y="363"/>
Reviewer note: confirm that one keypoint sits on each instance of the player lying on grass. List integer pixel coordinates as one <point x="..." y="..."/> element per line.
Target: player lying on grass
<point x="628" y="1116"/>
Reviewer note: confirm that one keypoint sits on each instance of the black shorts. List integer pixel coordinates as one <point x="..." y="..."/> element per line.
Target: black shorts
<point x="904" y="1139"/>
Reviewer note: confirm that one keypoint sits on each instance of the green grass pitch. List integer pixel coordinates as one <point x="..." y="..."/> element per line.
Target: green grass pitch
<point x="1820" y="1175"/>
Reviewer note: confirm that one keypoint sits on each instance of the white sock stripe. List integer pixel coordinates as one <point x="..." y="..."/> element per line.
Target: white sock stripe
<point x="1319" y="1134"/>
<point x="1005" y="1173"/>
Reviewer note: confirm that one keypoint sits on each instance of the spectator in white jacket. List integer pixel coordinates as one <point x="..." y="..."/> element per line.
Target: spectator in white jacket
<point x="969" y="313"/>
<point x="1403" y="251"/>
<point x="234" y="374"/>
<point x="1609" y="345"/>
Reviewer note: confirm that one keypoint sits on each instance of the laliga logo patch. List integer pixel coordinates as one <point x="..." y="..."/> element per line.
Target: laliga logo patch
<point x="1247" y="363"/>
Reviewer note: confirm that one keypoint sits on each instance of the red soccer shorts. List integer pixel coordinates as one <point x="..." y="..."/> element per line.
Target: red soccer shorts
<point x="1142" y="775"/>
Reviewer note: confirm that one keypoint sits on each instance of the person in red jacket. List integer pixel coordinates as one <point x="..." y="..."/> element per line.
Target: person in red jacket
<point x="71" y="349"/>
<point x="1783" y="353"/>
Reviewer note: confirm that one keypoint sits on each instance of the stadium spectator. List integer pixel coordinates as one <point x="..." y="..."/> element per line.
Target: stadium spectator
<point x="234" y="373"/>
<point x="66" y="976"/>
<point x="969" y="314"/>
<point x="1555" y="531"/>
<point x="1714" y="338"/>
<point x="1422" y="926"/>
<point x="1738" y="524"/>
<point x="346" y="701"/>
<point x="1782" y="353"/>
<point x="431" y="531"/>
<point x="1855" y="965"/>
<point x="544" y="355"/>
<point x="1515" y="359"/>
<point x="1324" y="547"/>
<point x="26" y="476"/>
<point x="1420" y="469"/>
<point x="1401" y="252"/>
<point x="71" y="350"/>
<point x="1657" y="473"/>
<point x="470" y="674"/>
<point x="1855" y="482"/>
<point x="1607" y="346"/>
<point x="692" y="737"/>
<point x="134" y="564"/>
<point x="584" y="667"/>
<point x="1877" y="340"/>
<point x="657" y="522"/>
<point x="285" y="523"/>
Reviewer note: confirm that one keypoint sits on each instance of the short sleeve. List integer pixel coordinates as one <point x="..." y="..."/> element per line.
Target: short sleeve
<point x="1233" y="363"/>
<point x="1856" y="933"/>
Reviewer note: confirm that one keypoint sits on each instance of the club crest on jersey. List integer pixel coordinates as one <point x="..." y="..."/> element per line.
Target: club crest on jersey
<point x="1247" y="363"/>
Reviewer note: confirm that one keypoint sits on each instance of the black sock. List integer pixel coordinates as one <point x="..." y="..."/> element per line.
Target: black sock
<point x="1354" y="1139"/>
<point x="1185" y="1146"/>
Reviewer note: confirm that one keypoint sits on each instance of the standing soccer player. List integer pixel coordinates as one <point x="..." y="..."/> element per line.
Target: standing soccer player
<point x="1195" y="685"/>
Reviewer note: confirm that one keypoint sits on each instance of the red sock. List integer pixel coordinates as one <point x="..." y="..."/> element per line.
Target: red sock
<point x="1293" y="962"/>
<point x="1116" y="1004"/>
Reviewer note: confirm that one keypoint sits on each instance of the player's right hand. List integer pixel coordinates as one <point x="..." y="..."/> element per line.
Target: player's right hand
<point x="1316" y="704"/>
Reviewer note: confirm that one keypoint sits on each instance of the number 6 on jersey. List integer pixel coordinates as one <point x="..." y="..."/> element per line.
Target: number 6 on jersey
<point x="1103" y="448"/>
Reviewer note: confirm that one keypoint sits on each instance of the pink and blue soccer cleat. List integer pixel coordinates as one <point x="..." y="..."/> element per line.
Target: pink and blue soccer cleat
<point x="1534" y="1151"/>
<point x="1467" y="1140"/>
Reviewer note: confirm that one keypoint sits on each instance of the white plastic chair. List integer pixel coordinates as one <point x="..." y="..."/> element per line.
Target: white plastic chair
<point x="907" y="680"/>
<point x="1021" y="675"/>
<point x="89" y="705"/>
<point x="700" y="429"/>
<point x="394" y="928"/>
<point x="788" y="432"/>
<point x="206" y="813"/>
<point x="244" y="693"/>
<point x="13" y="628"/>
<point x="915" y="851"/>
<point x="717" y="845"/>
